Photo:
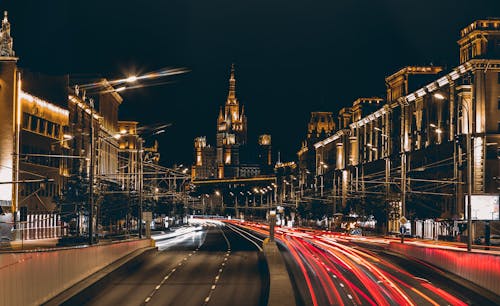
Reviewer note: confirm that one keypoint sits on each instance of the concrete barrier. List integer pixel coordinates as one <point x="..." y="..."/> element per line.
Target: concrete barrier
<point x="33" y="277"/>
<point x="280" y="286"/>
<point x="481" y="269"/>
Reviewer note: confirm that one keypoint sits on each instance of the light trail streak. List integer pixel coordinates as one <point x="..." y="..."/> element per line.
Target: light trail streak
<point x="337" y="273"/>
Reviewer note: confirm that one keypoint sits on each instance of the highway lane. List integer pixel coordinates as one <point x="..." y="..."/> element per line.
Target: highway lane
<point x="212" y="266"/>
<point x="331" y="270"/>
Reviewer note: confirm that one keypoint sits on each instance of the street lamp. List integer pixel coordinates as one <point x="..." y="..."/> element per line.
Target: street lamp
<point x="219" y="194"/>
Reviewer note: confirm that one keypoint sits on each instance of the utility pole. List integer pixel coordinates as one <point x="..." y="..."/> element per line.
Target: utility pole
<point x="469" y="186"/>
<point x="141" y="179"/>
<point x="91" y="174"/>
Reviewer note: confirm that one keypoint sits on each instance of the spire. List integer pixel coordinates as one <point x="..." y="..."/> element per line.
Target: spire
<point x="231" y="97"/>
<point x="242" y="112"/>
<point x="221" y="117"/>
<point x="5" y="38"/>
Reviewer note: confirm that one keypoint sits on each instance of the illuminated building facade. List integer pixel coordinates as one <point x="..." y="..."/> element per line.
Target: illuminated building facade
<point x="320" y="126"/>
<point x="410" y="152"/>
<point x="9" y="120"/>
<point x="205" y="160"/>
<point x="225" y="160"/>
<point x="129" y="143"/>
<point x="32" y="140"/>
<point x="43" y="143"/>
<point x="231" y="133"/>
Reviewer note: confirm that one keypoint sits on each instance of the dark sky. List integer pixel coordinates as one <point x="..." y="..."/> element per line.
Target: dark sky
<point x="292" y="57"/>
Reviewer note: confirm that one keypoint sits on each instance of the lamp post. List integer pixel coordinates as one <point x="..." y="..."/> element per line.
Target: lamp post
<point x="141" y="180"/>
<point x="91" y="174"/>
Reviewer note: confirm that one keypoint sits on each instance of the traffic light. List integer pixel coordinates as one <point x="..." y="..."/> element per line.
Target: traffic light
<point x="24" y="214"/>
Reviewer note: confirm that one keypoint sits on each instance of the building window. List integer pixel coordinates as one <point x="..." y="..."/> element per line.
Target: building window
<point x="498" y="77"/>
<point x="498" y="127"/>
<point x="34" y="124"/>
<point x="57" y="129"/>
<point x="50" y="128"/>
<point x="26" y="120"/>
<point x="43" y="126"/>
<point x="498" y="103"/>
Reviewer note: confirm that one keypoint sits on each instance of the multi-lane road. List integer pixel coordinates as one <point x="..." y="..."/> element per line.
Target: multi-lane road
<point x="222" y="264"/>
<point x="328" y="269"/>
<point x="213" y="265"/>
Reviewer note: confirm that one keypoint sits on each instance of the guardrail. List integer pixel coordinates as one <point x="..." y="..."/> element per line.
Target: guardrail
<point x="482" y="269"/>
<point x="33" y="277"/>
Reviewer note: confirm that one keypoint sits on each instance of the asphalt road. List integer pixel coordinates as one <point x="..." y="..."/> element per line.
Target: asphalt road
<point x="213" y="266"/>
<point x="329" y="269"/>
<point x="365" y="274"/>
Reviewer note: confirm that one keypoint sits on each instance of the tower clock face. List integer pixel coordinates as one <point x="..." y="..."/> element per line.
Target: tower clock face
<point x="265" y="140"/>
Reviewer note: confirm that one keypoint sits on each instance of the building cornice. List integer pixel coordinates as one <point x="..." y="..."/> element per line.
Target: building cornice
<point x="332" y="138"/>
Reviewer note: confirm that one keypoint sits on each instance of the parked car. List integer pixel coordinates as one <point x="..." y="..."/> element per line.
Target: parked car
<point x="494" y="240"/>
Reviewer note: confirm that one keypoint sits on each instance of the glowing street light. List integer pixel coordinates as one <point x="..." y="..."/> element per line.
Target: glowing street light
<point x="131" y="79"/>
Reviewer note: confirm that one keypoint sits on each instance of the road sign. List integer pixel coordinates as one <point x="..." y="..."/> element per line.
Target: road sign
<point x="403" y="220"/>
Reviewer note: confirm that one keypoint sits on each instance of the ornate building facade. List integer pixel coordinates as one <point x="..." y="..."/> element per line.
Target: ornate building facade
<point x="321" y="125"/>
<point x="225" y="160"/>
<point x="410" y="153"/>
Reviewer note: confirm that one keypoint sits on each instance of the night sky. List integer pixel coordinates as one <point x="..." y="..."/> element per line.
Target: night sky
<point x="292" y="57"/>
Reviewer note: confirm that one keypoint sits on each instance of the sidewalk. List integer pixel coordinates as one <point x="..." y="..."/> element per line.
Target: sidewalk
<point x="20" y="245"/>
<point x="494" y="250"/>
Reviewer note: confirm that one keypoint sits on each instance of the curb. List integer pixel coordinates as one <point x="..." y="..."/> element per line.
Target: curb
<point x="280" y="285"/>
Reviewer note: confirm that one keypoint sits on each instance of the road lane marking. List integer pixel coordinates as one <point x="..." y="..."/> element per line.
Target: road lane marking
<point x="239" y="232"/>
<point x="164" y="279"/>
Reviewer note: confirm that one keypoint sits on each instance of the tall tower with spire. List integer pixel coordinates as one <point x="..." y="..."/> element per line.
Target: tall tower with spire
<point x="232" y="119"/>
<point x="231" y="132"/>
<point x="6" y="43"/>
